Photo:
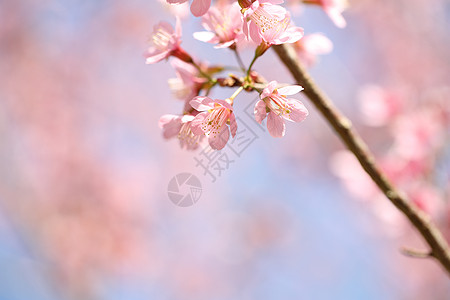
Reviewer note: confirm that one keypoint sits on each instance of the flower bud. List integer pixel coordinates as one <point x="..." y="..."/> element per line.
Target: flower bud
<point x="245" y="3"/>
<point x="261" y="49"/>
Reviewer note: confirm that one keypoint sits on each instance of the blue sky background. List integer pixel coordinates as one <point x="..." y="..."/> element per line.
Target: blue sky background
<point x="326" y="245"/>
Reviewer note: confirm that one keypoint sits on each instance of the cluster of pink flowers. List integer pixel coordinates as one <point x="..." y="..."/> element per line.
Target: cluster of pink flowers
<point x="419" y="134"/>
<point x="229" y="24"/>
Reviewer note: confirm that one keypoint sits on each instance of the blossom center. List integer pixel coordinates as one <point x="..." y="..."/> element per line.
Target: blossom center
<point x="263" y="19"/>
<point x="217" y="118"/>
<point x="221" y="27"/>
<point x="277" y="103"/>
<point x="161" y="38"/>
<point x="187" y="136"/>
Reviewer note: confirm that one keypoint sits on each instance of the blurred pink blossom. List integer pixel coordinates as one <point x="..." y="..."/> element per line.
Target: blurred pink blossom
<point x="224" y="24"/>
<point x="180" y="126"/>
<point x="188" y="82"/>
<point x="198" y="7"/>
<point x="333" y="8"/>
<point x="379" y="106"/>
<point x="419" y="133"/>
<point x="346" y="167"/>
<point x="181" y="10"/>
<point x="312" y="45"/>
<point x="427" y="198"/>
<point x="166" y="42"/>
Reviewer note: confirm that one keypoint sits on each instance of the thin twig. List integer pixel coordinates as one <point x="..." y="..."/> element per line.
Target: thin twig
<point x="349" y="136"/>
<point x="239" y="59"/>
<point x="415" y="253"/>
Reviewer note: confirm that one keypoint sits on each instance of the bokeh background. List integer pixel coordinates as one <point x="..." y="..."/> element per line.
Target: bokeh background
<point x="84" y="169"/>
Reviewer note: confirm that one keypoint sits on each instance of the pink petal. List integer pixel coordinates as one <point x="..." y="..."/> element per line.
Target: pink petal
<point x="275" y="125"/>
<point x="166" y="119"/>
<point x="164" y="26"/>
<point x="154" y="56"/>
<point x="271" y="1"/>
<point x="170" y="124"/>
<point x="176" y="1"/>
<point x="206" y="36"/>
<point x="245" y="26"/>
<point x="290" y="90"/>
<point x="202" y="103"/>
<point x="317" y="43"/>
<point x="260" y="111"/>
<point x="291" y="35"/>
<point x="178" y="27"/>
<point x="224" y="45"/>
<point x="233" y="125"/>
<point x="219" y="140"/>
<point x="187" y="118"/>
<point x="276" y="11"/>
<point x="197" y="123"/>
<point x="298" y="110"/>
<point x="336" y="17"/>
<point x="250" y="10"/>
<point x="200" y="7"/>
<point x="254" y="33"/>
<point x="208" y="20"/>
<point x="224" y="103"/>
<point x="186" y="72"/>
<point x="235" y="14"/>
<point x="268" y="90"/>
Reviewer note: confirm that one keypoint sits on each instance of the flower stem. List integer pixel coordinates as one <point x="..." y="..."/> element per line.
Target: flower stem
<point x="201" y="72"/>
<point x="251" y="65"/>
<point x="210" y="88"/>
<point x="240" y="89"/>
<point x="238" y="58"/>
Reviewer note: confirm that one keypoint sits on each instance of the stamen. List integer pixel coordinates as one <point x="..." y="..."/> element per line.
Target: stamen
<point x="161" y="38"/>
<point x="215" y="120"/>
<point x="278" y="104"/>
<point x="187" y="136"/>
<point x="263" y="19"/>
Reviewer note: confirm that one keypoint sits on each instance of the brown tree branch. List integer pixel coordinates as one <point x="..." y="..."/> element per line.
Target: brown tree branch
<point x="439" y="248"/>
<point x="415" y="253"/>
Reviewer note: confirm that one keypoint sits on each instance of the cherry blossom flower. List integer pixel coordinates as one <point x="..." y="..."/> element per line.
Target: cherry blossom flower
<point x="276" y="106"/>
<point x="180" y="126"/>
<point x="427" y="197"/>
<point x="188" y="82"/>
<point x="312" y="45"/>
<point x="213" y="120"/>
<point x="198" y="7"/>
<point x="378" y="105"/>
<point x="418" y="133"/>
<point x="224" y="26"/>
<point x="181" y="10"/>
<point x="166" y="42"/>
<point x="333" y="8"/>
<point x="268" y="22"/>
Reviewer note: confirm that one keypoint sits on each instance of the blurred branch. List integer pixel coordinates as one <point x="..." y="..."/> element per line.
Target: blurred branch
<point x="348" y="135"/>
<point x="415" y="253"/>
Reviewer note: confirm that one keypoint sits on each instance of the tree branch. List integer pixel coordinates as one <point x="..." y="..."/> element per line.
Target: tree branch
<point x="415" y="253"/>
<point x="348" y="135"/>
